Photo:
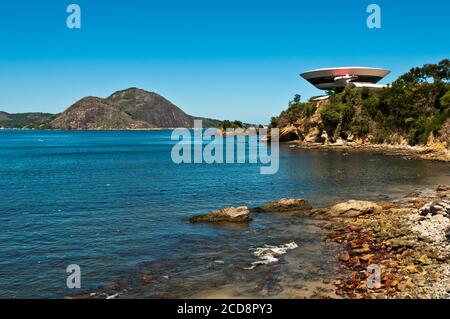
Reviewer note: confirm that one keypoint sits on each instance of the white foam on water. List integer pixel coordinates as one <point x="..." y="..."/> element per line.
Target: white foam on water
<point x="269" y="254"/>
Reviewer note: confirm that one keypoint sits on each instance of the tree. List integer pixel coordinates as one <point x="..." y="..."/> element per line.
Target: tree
<point x="297" y="98"/>
<point x="226" y="124"/>
<point x="274" y="121"/>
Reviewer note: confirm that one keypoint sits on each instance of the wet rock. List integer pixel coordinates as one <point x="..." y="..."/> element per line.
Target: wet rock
<point x="358" y="251"/>
<point x="286" y="205"/>
<point x="230" y="214"/>
<point x="353" y="208"/>
<point x="436" y="208"/>
<point x="443" y="188"/>
<point x="113" y="286"/>
<point x="147" y="278"/>
<point x="78" y="297"/>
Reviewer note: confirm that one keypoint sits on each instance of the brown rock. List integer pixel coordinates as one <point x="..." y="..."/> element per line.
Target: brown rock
<point x="363" y="250"/>
<point x="355" y="262"/>
<point x="367" y="257"/>
<point x="411" y="269"/>
<point x="113" y="286"/>
<point x="147" y="278"/>
<point x="353" y="208"/>
<point x="289" y="133"/>
<point x="286" y="205"/>
<point x="443" y="188"/>
<point x="230" y="214"/>
<point x="392" y="264"/>
<point x="78" y="297"/>
<point x="344" y="257"/>
<point x="424" y="260"/>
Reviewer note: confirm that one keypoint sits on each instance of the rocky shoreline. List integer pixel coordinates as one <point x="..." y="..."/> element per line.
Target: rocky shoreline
<point x="408" y="239"/>
<point x="433" y="153"/>
<point x="398" y="249"/>
<point x="395" y="249"/>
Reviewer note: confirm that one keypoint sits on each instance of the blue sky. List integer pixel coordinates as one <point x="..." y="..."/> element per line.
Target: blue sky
<point x="215" y="58"/>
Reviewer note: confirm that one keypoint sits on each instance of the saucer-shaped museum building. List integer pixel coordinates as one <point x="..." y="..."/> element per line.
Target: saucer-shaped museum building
<point x="336" y="78"/>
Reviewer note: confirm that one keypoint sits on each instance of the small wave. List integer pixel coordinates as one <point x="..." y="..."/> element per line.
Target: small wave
<point x="269" y="254"/>
<point x="112" y="296"/>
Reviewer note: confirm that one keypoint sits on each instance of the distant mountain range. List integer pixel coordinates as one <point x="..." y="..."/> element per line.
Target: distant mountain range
<point x="130" y="109"/>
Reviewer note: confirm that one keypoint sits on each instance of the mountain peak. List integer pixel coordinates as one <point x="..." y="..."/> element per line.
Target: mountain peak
<point x="131" y="93"/>
<point x="132" y="108"/>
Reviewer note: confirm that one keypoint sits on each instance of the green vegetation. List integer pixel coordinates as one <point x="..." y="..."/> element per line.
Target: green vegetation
<point x="23" y="120"/>
<point x="226" y="124"/>
<point x="274" y="121"/>
<point x="209" y="122"/>
<point x="296" y="109"/>
<point x="414" y="106"/>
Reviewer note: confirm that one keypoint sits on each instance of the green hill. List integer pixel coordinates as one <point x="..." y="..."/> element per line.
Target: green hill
<point x="23" y="120"/>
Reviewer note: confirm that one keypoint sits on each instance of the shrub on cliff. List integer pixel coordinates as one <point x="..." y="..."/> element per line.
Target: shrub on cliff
<point x="331" y="117"/>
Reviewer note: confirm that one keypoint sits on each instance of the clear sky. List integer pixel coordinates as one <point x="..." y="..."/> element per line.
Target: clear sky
<point x="233" y="59"/>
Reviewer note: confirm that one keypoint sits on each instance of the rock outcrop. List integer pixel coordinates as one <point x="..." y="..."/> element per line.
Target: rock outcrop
<point x="289" y="133"/>
<point x="229" y="214"/>
<point x="286" y="205"/>
<point x="353" y="208"/>
<point x="436" y="208"/>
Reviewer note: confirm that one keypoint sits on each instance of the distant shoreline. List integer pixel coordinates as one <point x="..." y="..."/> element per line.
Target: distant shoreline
<point x="416" y="152"/>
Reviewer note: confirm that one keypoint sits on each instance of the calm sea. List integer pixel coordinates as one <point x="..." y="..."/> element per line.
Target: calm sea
<point x="115" y="204"/>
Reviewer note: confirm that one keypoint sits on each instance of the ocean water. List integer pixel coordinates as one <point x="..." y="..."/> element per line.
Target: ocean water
<point x="115" y="204"/>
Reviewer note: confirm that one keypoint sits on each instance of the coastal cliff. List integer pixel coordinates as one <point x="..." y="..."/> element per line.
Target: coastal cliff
<point x="411" y="116"/>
